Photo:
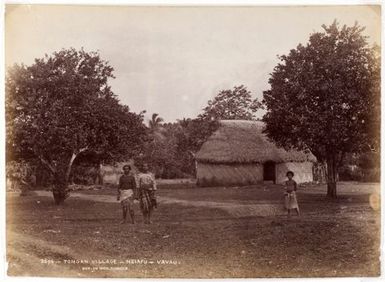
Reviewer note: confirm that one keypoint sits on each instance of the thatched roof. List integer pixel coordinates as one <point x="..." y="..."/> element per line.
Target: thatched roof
<point x="241" y="141"/>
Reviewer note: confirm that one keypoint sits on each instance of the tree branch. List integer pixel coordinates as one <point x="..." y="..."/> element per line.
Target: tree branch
<point x="44" y="161"/>
<point x="83" y="149"/>
<point x="73" y="157"/>
<point x="341" y="159"/>
<point x="68" y="171"/>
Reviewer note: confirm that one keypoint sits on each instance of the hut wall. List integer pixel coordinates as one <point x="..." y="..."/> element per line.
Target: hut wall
<point x="303" y="171"/>
<point x="111" y="173"/>
<point x="225" y="174"/>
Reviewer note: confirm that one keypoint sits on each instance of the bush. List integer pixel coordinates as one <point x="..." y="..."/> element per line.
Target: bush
<point x="84" y="174"/>
<point x="208" y="182"/>
<point x="346" y="173"/>
<point x="371" y="175"/>
<point x="21" y="175"/>
<point x="172" y="172"/>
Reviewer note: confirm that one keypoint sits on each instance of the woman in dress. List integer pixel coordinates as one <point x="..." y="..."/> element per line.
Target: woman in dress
<point x="126" y="193"/>
<point x="147" y="188"/>
<point x="290" y="194"/>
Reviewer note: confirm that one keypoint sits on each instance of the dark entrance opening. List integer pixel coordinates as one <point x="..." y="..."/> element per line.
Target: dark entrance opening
<point x="269" y="171"/>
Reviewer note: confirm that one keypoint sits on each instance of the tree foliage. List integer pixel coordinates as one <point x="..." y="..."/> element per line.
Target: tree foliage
<point x="61" y="106"/>
<point x="158" y="150"/>
<point x="194" y="132"/>
<point x="171" y="148"/>
<point x="155" y="122"/>
<point x="325" y="96"/>
<point x="232" y="104"/>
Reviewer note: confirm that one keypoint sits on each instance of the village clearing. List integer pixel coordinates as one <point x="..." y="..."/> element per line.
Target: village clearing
<point x="199" y="233"/>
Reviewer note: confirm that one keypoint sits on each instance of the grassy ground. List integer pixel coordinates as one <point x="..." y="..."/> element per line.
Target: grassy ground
<point x="197" y="233"/>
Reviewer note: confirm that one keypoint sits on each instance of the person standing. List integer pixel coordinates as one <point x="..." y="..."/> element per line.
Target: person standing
<point x="147" y="188"/>
<point x="126" y="193"/>
<point x="290" y="194"/>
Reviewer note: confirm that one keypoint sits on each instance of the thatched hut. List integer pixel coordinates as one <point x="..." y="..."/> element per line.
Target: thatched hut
<point x="112" y="173"/>
<point x="238" y="153"/>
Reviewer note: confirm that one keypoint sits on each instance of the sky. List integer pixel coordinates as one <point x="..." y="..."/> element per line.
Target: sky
<point x="172" y="60"/>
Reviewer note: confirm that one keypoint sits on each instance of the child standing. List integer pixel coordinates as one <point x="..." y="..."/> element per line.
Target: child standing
<point x="147" y="188"/>
<point x="290" y="195"/>
<point x="126" y="193"/>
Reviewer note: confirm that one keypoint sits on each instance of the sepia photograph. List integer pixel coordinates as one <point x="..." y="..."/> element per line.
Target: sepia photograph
<point x="165" y="141"/>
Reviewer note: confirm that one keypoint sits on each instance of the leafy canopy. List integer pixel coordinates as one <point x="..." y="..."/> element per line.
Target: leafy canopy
<point x="232" y="104"/>
<point x="62" y="105"/>
<point x="325" y="96"/>
<point x="171" y="146"/>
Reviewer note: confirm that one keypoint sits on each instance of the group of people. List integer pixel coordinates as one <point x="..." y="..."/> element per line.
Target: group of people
<point x="141" y="188"/>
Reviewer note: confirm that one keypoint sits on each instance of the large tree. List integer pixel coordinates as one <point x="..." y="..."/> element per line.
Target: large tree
<point x="325" y="96"/>
<point x="61" y="106"/>
<point x="232" y="104"/>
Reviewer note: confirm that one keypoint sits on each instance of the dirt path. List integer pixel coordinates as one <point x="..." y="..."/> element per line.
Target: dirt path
<point x="235" y="210"/>
<point x="19" y="251"/>
<point x="32" y="257"/>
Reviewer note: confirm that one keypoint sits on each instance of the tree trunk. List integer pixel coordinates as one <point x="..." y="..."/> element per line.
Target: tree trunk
<point x="60" y="193"/>
<point x="100" y="174"/>
<point x="68" y="171"/>
<point x="319" y="172"/>
<point x="61" y="176"/>
<point x="331" y="177"/>
<point x="60" y="190"/>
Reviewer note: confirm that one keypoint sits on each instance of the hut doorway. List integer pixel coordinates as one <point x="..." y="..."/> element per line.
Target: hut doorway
<point x="269" y="171"/>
